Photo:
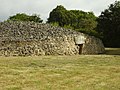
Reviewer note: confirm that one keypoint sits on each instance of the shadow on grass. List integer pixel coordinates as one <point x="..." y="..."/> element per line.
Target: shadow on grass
<point x="112" y="51"/>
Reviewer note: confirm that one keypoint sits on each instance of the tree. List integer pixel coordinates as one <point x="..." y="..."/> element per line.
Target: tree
<point x="35" y="18"/>
<point x="25" y="17"/>
<point x="58" y="15"/>
<point x="75" y="19"/>
<point x="109" y="25"/>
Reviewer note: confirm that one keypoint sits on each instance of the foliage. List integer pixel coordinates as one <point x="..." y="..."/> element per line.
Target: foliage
<point x="55" y="24"/>
<point x="25" y="17"/>
<point x="75" y="19"/>
<point x="109" y="25"/>
<point x="58" y="15"/>
<point x="90" y="32"/>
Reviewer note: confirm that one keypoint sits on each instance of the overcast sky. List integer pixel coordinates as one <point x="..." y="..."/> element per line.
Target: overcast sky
<point x="43" y="7"/>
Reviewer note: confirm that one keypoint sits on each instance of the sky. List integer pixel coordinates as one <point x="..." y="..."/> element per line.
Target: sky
<point x="44" y="7"/>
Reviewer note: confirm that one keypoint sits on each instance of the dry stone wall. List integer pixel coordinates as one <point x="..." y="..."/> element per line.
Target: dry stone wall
<point x="34" y="39"/>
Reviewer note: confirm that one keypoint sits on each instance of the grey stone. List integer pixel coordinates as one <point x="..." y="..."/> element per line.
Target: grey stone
<point x="34" y="39"/>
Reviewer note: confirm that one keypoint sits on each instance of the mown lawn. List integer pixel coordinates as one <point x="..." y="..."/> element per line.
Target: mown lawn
<point x="95" y="72"/>
<point x="112" y="51"/>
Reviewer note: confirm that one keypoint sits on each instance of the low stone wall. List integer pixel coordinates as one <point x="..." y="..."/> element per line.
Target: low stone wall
<point x="34" y="39"/>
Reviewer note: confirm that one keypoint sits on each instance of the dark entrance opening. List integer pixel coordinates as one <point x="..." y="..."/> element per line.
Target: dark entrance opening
<point x="80" y="48"/>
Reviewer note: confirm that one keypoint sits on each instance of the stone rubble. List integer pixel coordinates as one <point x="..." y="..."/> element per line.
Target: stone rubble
<point x="35" y="39"/>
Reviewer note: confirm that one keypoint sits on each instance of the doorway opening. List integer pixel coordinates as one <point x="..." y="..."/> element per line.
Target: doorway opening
<point x="80" y="48"/>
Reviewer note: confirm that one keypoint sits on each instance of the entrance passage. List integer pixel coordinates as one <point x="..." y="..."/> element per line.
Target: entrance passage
<point x="80" y="48"/>
<point x="80" y="40"/>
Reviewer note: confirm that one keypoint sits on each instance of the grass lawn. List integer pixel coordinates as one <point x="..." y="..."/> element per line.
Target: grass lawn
<point x="95" y="72"/>
<point x="113" y="51"/>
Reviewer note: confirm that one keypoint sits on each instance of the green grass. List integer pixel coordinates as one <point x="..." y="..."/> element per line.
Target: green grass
<point x="113" y="51"/>
<point x="95" y="72"/>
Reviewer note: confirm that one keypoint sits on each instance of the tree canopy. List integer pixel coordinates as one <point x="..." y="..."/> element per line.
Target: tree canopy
<point x="58" y="15"/>
<point x="109" y="25"/>
<point x="25" y="17"/>
<point x="75" y="19"/>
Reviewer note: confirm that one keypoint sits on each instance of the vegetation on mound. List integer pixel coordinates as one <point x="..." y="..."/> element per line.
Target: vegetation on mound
<point x="25" y="17"/>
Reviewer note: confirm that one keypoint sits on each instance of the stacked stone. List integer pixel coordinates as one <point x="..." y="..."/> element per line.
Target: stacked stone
<point x="30" y="39"/>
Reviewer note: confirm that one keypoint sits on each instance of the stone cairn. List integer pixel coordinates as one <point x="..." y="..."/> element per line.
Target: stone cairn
<point x="35" y="39"/>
